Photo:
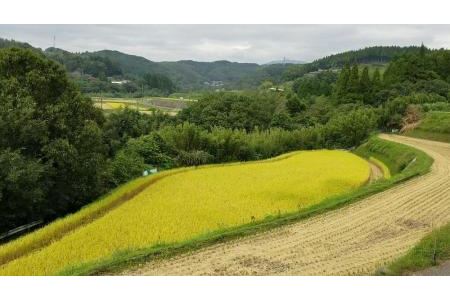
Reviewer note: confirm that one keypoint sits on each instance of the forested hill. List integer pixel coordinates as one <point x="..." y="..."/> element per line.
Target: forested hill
<point x="94" y="71"/>
<point x="185" y="74"/>
<point x="377" y="54"/>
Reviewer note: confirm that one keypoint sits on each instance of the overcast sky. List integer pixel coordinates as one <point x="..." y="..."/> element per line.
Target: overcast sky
<point x="241" y="43"/>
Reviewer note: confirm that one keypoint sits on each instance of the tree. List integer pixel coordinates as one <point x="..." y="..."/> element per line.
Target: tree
<point x="365" y="86"/>
<point x="353" y="82"/>
<point x="126" y="166"/>
<point x="46" y="129"/>
<point x="294" y="105"/>
<point x="123" y="125"/>
<point x="281" y="120"/>
<point x="423" y="50"/>
<point x="351" y="129"/>
<point x="376" y="79"/>
<point x="342" y="85"/>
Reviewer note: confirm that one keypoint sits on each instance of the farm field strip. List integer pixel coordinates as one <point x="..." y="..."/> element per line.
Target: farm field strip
<point x="169" y="106"/>
<point x="205" y="200"/>
<point x="357" y="239"/>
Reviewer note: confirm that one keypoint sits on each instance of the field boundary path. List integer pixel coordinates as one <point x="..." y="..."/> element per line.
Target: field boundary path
<point x="357" y="239"/>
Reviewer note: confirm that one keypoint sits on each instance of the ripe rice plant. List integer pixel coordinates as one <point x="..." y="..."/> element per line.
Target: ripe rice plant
<point x="187" y="204"/>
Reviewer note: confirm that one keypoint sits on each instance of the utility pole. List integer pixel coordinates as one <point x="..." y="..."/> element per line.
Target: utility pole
<point x="54" y="41"/>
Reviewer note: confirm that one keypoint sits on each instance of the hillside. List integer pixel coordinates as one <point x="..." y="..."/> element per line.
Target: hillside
<point x="434" y="126"/>
<point x="368" y="55"/>
<point x="91" y="70"/>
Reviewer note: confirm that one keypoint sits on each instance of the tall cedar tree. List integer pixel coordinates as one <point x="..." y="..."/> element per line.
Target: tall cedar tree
<point x="376" y="79"/>
<point x="365" y="86"/>
<point x="343" y="82"/>
<point x="353" y="84"/>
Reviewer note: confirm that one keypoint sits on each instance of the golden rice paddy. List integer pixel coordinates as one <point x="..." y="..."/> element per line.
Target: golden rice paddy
<point x="187" y="204"/>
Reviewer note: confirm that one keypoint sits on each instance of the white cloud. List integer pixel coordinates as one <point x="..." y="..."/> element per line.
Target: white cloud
<point x="243" y="43"/>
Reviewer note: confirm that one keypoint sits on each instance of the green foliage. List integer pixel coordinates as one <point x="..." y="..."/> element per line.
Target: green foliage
<point x="350" y="129"/>
<point x="125" y="166"/>
<point x="4" y="43"/>
<point x="437" y="106"/>
<point x="403" y="161"/>
<point x="17" y="202"/>
<point x="320" y="84"/>
<point x="378" y="54"/>
<point x="295" y="105"/>
<point x="394" y="110"/>
<point x="193" y="158"/>
<point x="159" y="82"/>
<point x="281" y="120"/>
<point x="233" y="110"/>
<point x="152" y="148"/>
<point x="354" y="86"/>
<point x="434" y="126"/>
<point x="426" y="66"/>
<point x="46" y="129"/>
<point x="125" y="124"/>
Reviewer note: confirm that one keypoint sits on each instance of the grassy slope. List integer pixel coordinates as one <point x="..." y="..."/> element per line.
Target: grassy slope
<point x="435" y="126"/>
<point x="431" y="249"/>
<point x="404" y="162"/>
<point x="382" y="166"/>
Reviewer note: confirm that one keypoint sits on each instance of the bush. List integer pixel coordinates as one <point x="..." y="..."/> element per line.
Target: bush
<point x="126" y="166"/>
<point x="350" y="130"/>
<point x="194" y="158"/>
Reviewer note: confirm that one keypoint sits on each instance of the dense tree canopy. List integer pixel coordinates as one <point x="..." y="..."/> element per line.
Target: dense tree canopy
<point x="233" y="110"/>
<point x="46" y="129"/>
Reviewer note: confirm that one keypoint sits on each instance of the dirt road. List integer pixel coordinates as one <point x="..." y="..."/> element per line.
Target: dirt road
<point x="357" y="239"/>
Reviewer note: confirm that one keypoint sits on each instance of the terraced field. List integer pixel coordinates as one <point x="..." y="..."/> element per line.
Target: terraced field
<point x="170" y="106"/>
<point x="357" y="239"/>
<point x="187" y="204"/>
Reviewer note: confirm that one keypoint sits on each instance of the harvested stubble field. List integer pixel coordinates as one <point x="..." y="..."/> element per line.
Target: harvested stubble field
<point x="357" y="239"/>
<point x="187" y="204"/>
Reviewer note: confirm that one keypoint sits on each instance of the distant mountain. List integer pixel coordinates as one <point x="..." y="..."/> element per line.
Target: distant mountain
<point x="185" y="74"/>
<point x="286" y="61"/>
<point x="93" y="70"/>
<point x="5" y="43"/>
